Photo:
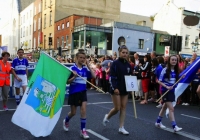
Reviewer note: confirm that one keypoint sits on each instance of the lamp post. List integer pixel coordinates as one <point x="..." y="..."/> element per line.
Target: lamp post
<point x="195" y="46"/>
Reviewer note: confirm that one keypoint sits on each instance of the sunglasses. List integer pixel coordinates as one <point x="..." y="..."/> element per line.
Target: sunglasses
<point x="122" y="47"/>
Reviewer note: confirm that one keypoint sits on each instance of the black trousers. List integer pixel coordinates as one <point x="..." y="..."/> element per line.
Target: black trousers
<point x="194" y="97"/>
<point x="104" y="86"/>
<point x="185" y="97"/>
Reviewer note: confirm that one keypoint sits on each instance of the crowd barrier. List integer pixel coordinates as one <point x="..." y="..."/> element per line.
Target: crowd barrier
<point x="31" y="69"/>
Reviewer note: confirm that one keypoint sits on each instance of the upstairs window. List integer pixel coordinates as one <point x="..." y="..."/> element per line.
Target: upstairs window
<point x="141" y="44"/>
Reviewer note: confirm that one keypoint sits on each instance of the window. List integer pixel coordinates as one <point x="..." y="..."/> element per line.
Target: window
<point x="58" y="42"/>
<point x="30" y="29"/>
<point x="45" y="4"/>
<point x="50" y="2"/>
<point x="35" y="11"/>
<point x="45" y="41"/>
<point x="21" y="32"/>
<point x="58" y="27"/>
<point x="21" y="20"/>
<point x="63" y="26"/>
<point x="34" y="43"/>
<point x="27" y="16"/>
<point x="62" y="41"/>
<point x="34" y="29"/>
<point x="39" y="21"/>
<point x="24" y="19"/>
<point x="198" y="25"/>
<point x="30" y="13"/>
<point x="50" y="18"/>
<point x="67" y="24"/>
<point x="24" y="31"/>
<point x="197" y="39"/>
<point x="29" y="43"/>
<point x="67" y="40"/>
<point x="45" y="20"/>
<point x="39" y="7"/>
<point x="141" y="44"/>
<point x="187" y="38"/>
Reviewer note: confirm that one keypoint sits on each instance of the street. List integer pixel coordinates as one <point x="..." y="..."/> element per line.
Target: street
<point x="142" y="128"/>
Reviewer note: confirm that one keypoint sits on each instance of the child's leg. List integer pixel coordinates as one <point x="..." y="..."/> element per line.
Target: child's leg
<point x="71" y="113"/>
<point x="83" y="115"/>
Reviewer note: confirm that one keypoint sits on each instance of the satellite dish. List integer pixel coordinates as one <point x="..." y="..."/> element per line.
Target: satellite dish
<point x="191" y="20"/>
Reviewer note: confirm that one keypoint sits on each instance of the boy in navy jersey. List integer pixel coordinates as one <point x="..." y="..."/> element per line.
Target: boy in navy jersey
<point x="20" y="72"/>
<point x="77" y="91"/>
<point x="167" y="79"/>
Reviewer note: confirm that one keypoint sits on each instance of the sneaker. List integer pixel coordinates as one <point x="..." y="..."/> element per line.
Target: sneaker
<point x="187" y="104"/>
<point x="105" y="120"/>
<point x="176" y="128"/>
<point x="160" y="125"/>
<point x="151" y="100"/>
<point x="65" y="125"/>
<point x="183" y="103"/>
<point x="84" y="134"/>
<point x="159" y="106"/>
<point x="123" y="131"/>
<point x="5" y="108"/>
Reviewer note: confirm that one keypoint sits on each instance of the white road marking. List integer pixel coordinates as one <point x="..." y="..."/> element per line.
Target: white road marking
<point x="184" y="134"/>
<point x="190" y="116"/>
<point x="7" y="110"/>
<point x="96" y="134"/>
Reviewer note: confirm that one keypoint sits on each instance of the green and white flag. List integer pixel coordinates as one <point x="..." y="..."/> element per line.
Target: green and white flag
<point x="43" y="99"/>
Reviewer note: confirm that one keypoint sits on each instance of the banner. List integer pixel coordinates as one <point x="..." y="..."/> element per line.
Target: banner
<point x="43" y="99"/>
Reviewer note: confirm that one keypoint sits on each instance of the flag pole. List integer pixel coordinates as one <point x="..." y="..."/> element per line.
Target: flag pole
<point x="134" y="107"/>
<point x="72" y="71"/>
<point x="169" y="90"/>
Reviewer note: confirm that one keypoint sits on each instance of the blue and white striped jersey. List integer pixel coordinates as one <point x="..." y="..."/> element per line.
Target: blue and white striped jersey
<point x="20" y="65"/>
<point x="168" y="82"/>
<point x="78" y="84"/>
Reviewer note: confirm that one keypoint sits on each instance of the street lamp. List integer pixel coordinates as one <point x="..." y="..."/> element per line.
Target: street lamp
<point x="195" y="46"/>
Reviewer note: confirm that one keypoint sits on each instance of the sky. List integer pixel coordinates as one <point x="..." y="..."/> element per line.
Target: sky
<point x="151" y="7"/>
<point x="139" y="7"/>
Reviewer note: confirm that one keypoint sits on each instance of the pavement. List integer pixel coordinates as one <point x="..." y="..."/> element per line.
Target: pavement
<point x="142" y="128"/>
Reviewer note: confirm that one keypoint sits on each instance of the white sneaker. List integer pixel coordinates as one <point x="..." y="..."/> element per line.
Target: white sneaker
<point x="159" y="106"/>
<point x="105" y="120"/>
<point x="65" y="126"/>
<point x="160" y="125"/>
<point x="187" y="104"/>
<point x="123" y="131"/>
<point x="183" y="103"/>
<point x="84" y="134"/>
<point x="176" y="129"/>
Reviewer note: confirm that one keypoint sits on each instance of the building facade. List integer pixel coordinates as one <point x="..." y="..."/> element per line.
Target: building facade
<point x="170" y="19"/>
<point x="26" y="28"/>
<point x="137" y="38"/>
<point x="48" y="20"/>
<point x="136" y="19"/>
<point x="37" y="25"/>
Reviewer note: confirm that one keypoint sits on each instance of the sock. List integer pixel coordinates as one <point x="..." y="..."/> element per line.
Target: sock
<point x="83" y="123"/>
<point x="173" y="124"/>
<point x="159" y="119"/>
<point x="17" y="98"/>
<point x="67" y="119"/>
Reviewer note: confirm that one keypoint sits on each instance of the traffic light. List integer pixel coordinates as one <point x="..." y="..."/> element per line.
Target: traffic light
<point x="50" y="40"/>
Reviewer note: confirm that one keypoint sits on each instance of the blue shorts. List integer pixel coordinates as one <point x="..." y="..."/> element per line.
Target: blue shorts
<point x="169" y="97"/>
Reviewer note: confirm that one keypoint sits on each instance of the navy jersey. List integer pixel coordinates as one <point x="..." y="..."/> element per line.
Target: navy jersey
<point x="168" y="82"/>
<point x="20" y="65"/>
<point x="78" y="84"/>
<point x="118" y="70"/>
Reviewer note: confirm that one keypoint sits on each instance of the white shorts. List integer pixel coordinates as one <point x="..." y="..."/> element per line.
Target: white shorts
<point x="24" y="81"/>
